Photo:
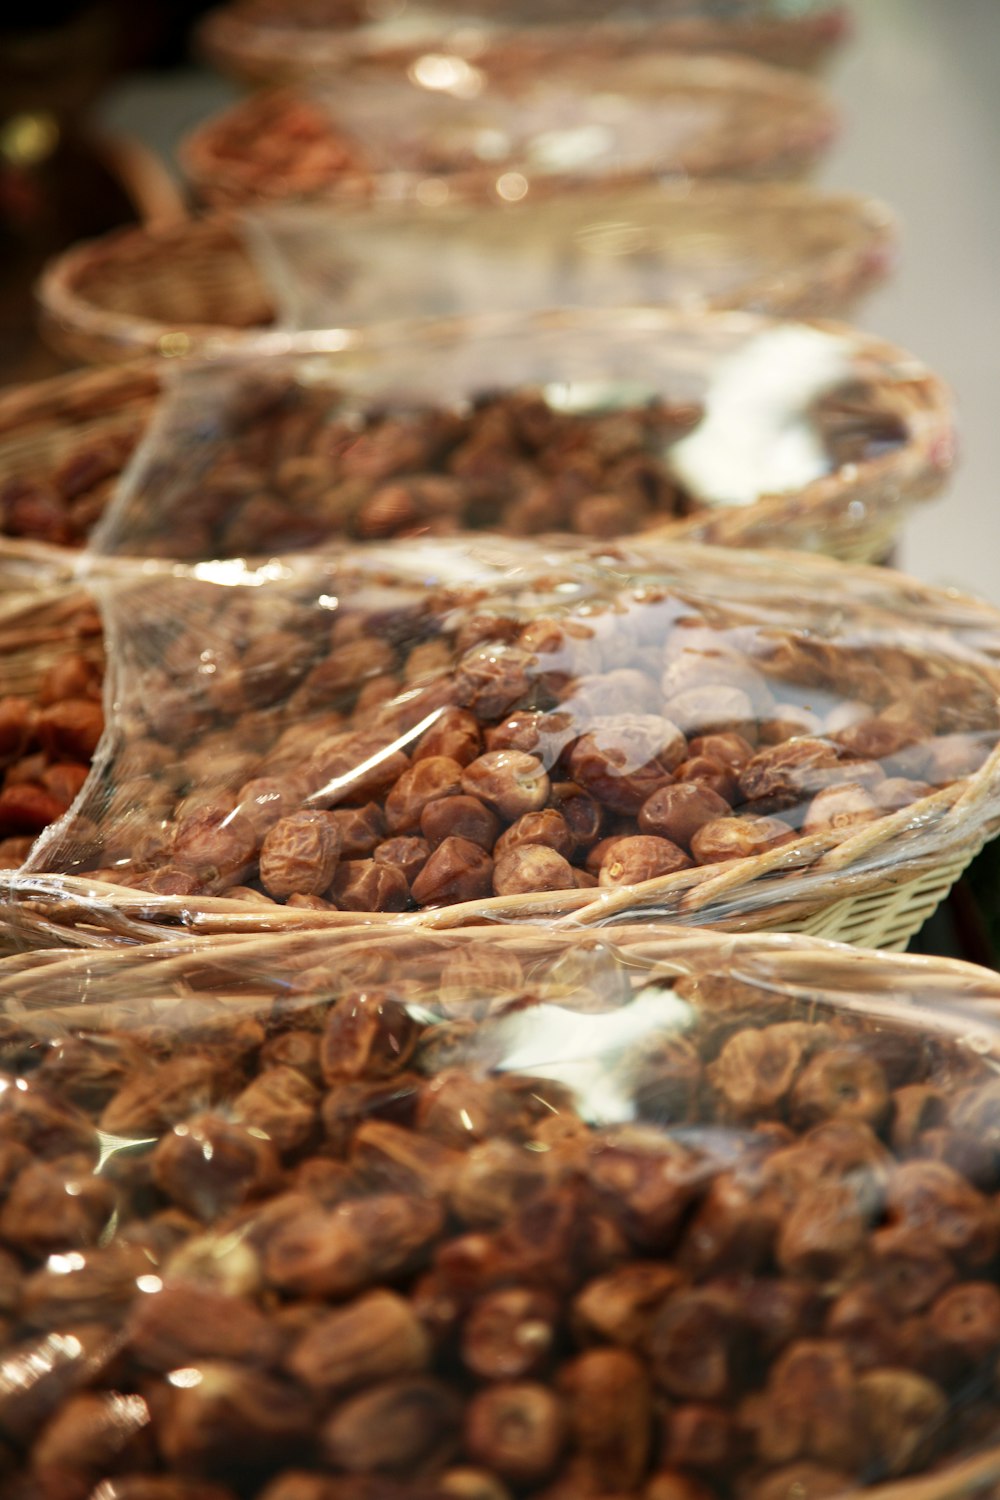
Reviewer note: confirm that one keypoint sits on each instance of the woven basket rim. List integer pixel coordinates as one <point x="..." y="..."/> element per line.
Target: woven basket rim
<point x="787" y="960"/>
<point x="958" y="807"/>
<point x="256" y="50"/>
<point x="219" y="178"/>
<point x="69" y="310"/>
<point x="659" y="941"/>
<point x="863" y="251"/>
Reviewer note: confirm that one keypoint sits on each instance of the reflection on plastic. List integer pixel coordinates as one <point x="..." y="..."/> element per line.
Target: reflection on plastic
<point x="758" y="437"/>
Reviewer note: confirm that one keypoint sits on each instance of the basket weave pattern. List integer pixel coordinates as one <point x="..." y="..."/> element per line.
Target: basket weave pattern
<point x="152" y="291"/>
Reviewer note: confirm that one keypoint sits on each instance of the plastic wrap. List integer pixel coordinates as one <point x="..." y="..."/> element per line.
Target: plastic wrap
<point x="721" y="245"/>
<point x="772" y="249"/>
<point x="489" y="1214"/>
<point x="498" y="731"/>
<point x="505" y="126"/>
<point x="262" y="41"/>
<point x="722" y="426"/>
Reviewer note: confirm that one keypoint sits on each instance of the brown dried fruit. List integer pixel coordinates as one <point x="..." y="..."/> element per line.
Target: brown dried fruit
<point x="643" y="857"/>
<point x="396" y="1427"/>
<point x="428" y="779"/>
<point x="367" y="885"/>
<point x="738" y="838"/>
<point x="369" y="1034"/>
<point x="460" y="817"/>
<point x="457" y="870"/>
<point x="208" y="1166"/>
<point x="299" y="854"/>
<point x="840" y="1084"/>
<point x="676" y="812"/>
<point x="375" y="1337"/>
<point x="517" y="1430"/>
<point x="610" y="1414"/>
<point x="531" y="867"/>
<point x="621" y="762"/>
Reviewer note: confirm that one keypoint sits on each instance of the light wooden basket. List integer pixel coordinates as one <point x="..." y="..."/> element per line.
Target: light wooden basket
<point x="853" y="514"/>
<point x="227" y="168"/>
<point x="255" y="53"/>
<point x="871" y="885"/>
<point x="174" y="290"/>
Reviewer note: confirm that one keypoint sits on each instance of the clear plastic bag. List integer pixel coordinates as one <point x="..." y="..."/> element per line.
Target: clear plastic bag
<point x="500" y="731"/>
<point x="599" y="422"/>
<point x="510" y="121"/>
<point x="779" y="249"/>
<point x="478" y="1214"/>
<point x="767" y="249"/>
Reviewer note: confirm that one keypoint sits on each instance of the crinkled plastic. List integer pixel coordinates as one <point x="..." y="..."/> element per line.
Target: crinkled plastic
<point x="498" y="731"/>
<point x="597" y="422"/>
<point x="719" y="245"/>
<point x="648" y="1213"/>
<point x="512" y="121"/>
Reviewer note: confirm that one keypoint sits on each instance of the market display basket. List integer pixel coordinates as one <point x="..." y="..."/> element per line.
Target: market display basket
<point x="877" y="702"/>
<point x="654" y="1199"/>
<point x="787" y="251"/>
<point x="259" y="43"/>
<point x="888" y="444"/>
<point x="139" y="291"/>
<point x="498" y="131"/>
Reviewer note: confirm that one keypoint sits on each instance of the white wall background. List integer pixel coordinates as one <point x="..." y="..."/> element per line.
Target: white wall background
<point x="920" y="94"/>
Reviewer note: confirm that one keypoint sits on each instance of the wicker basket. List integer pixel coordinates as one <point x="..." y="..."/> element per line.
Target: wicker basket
<point x="139" y="291"/>
<point x="145" y="1007"/>
<point x="342" y="146"/>
<point x="881" y="909"/>
<point x="239" y="44"/>
<point x="873" y="885"/>
<point x="792" y="962"/>
<point x="38" y="443"/>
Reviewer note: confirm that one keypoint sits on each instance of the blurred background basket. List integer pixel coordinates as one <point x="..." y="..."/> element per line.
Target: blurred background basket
<point x="152" y="292"/>
<point x="789" y="251"/>
<point x="674" y="115"/>
<point x="262" y="43"/>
